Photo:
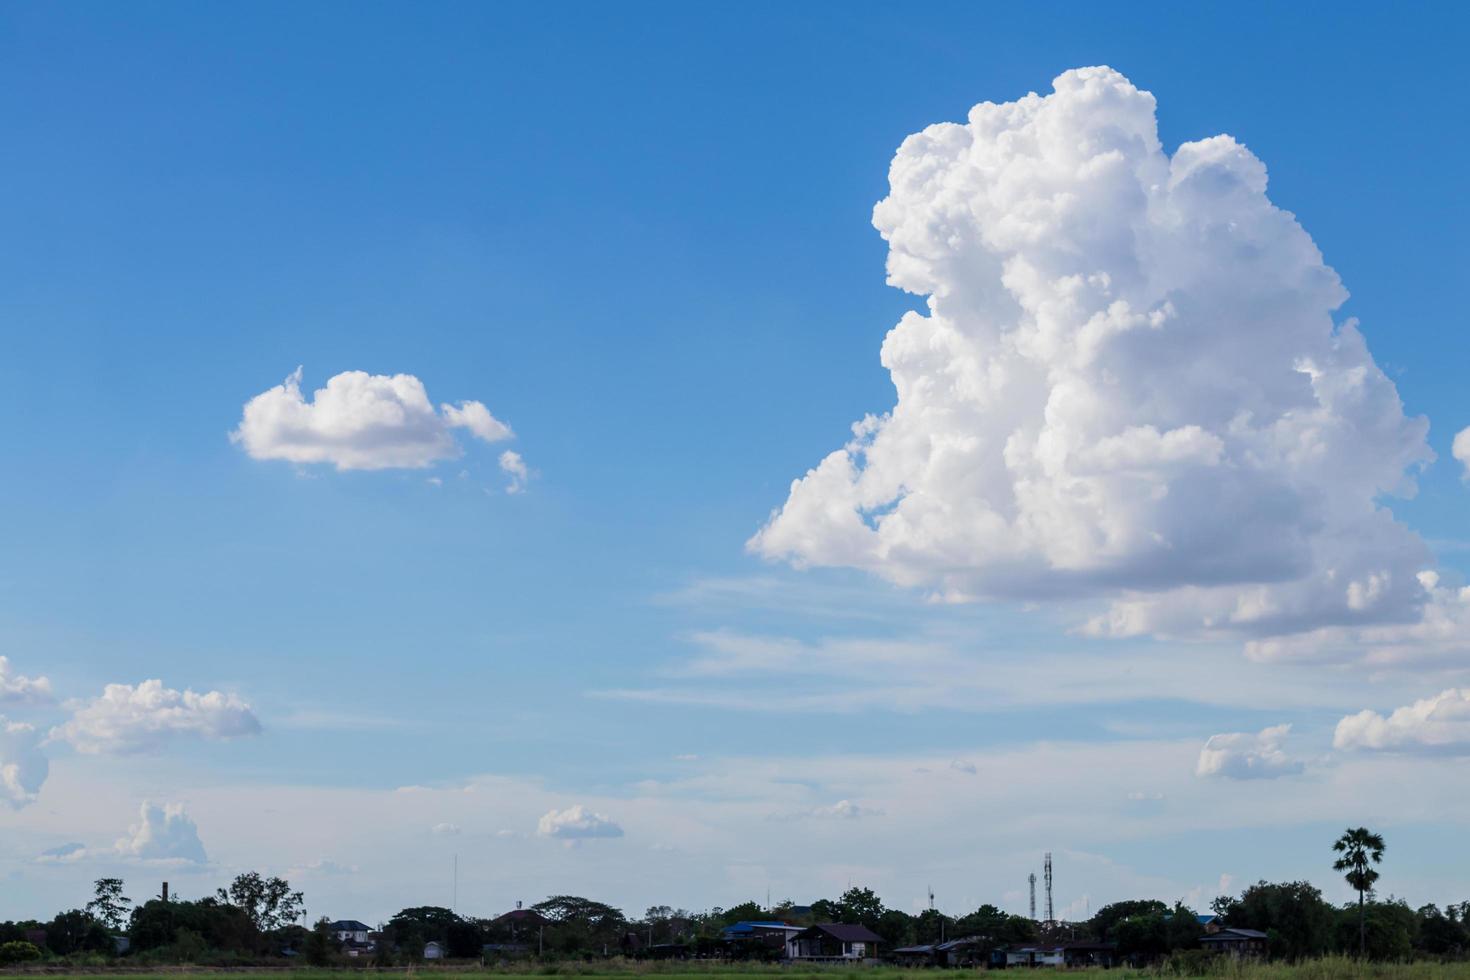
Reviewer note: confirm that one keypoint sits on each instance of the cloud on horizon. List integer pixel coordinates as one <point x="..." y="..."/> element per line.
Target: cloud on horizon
<point x="163" y="833"/>
<point x="1117" y="341"/>
<point x="577" y="823"/>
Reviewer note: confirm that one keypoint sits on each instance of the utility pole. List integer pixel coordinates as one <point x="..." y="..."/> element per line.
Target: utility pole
<point x="1032" y="879"/>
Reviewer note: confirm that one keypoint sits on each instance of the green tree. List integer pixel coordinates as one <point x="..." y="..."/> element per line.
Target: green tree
<point x="1441" y="933"/>
<point x="1184" y="930"/>
<point x="1294" y="916"/>
<point x="223" y="926"/>
<point x="744" y="912"/>
<point x="109" y="905"/>
<point x="1390" y="930"/>
<point x="18" y="951"/>
<point x="1104" y="919"/>
<point x="413" y="927"/>
<point x="861" y="905"/>
<point x="319" y="945"/>
<point x="1360" y="849"/>
<point x="75" y="932"/>
<point x="580" y="924"/>
<point x="1144" y="935"/>
<point x="269" y="903"/>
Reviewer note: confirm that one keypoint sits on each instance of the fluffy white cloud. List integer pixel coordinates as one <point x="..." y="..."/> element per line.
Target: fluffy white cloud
<point x="163" y="833"/>
<point x="22" y="766"/>
<point x="16" y="689"/>
<point x="1128" y="383"/>
<point x="134" y="719"/>
<point x="1461" y="449"/>
<point x="1440" y="724"/>
<point x="360" y="421"/>
<point x="445" y="829"/>
<point x="1241" y="755"/>
<point x="514" y="466"/>
<point x="576" y="823"/>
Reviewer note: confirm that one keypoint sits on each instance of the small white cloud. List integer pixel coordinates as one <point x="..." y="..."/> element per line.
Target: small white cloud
<point x="841" y="810"/>
<point x="445" y="829"/>
<point x="577" y="823"/>
<point x="968" y="768"/>
<point x="23" y="769"/>
<point x="477" y="418"/>
<point x="1226" y="882"/>
<point x="1241" y="755"/>
<point x="514" y="466"/>
<point x="1461" y="449"/>
<point x="686" y="757"/>
<point x="16" y="689"/>
<point x="163" y="833"/>
<point x="128" y="719"/>
<point x="360" y="421"/>
<point x="1437" y="725"/>
<point x="1140" y="797"/>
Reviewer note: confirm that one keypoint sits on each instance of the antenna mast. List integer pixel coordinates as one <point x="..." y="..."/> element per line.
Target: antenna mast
<point x="1050" y="916"/>
<point x="1032" y="879"/>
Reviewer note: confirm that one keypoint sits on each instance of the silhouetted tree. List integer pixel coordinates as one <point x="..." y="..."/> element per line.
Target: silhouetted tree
<point x="1360" y="849"/>
<point x="109" y="905"/>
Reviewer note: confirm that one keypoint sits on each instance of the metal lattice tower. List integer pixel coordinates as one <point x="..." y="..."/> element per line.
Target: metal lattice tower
<point x="1032" y="879"/>
<point x="1050" y="917"/>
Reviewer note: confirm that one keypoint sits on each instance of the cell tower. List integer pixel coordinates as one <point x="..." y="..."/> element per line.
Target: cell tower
<point x="1050" y="917"/>
<point x="1032" y="878"/>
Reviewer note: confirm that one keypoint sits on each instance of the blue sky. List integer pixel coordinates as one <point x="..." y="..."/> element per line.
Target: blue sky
<point x="643" y="237"/>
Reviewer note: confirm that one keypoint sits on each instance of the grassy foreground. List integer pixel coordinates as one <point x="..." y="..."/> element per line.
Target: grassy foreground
<point x="1332" y="968"/>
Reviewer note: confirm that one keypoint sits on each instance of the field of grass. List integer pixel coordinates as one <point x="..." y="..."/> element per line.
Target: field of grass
<point x="1327" y="969"/>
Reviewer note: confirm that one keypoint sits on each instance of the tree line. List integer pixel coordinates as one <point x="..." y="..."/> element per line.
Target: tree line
<point x="257" y="918"/>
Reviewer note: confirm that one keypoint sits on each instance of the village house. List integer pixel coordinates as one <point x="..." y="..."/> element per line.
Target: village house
<point x="833" y="941"/>
<point x="1236" y="942"/>
<point x="350" y="932"/>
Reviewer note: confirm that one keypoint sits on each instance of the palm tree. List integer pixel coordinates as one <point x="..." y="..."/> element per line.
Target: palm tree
<point x="1360" y="850"/>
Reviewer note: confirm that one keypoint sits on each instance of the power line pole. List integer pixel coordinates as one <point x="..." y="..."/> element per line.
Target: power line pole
<point x="1032" y="879"/>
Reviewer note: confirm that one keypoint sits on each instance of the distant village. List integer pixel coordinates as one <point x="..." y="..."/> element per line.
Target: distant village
<point x="260" y="920"/>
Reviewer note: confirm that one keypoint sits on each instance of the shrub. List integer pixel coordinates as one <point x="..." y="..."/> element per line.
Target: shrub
<point x="18" y="951"/>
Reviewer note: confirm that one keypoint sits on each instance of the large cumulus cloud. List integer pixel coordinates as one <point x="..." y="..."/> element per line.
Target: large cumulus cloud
<point x="1128" y="383"/>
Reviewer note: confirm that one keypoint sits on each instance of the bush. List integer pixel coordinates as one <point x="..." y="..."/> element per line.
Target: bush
<point x="18" y="951"/>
